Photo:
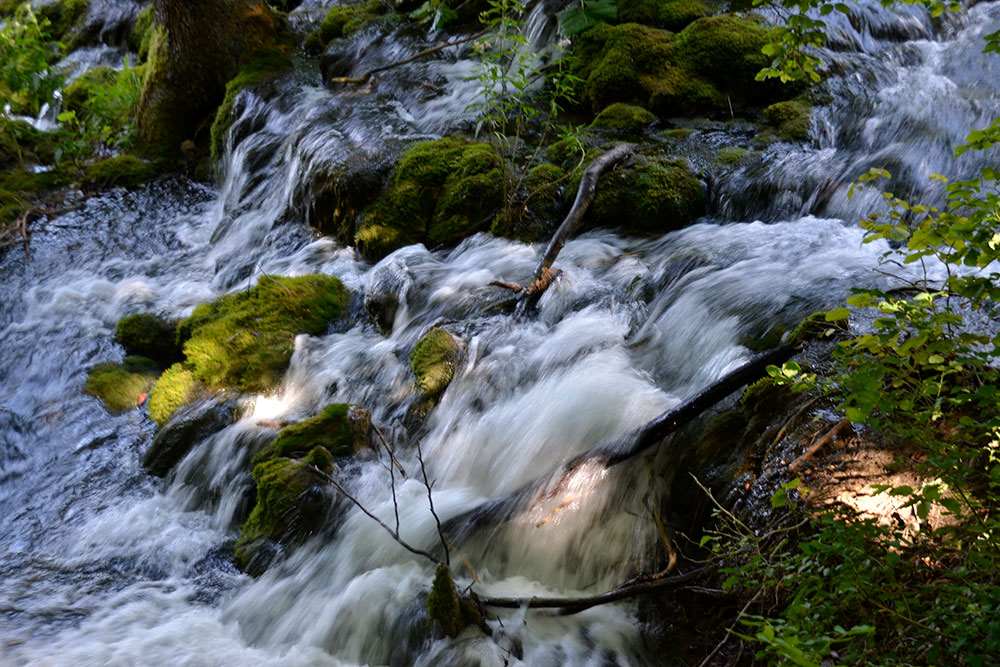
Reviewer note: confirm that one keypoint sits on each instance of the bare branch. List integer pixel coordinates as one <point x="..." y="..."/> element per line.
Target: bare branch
<point x="430" y="501"/>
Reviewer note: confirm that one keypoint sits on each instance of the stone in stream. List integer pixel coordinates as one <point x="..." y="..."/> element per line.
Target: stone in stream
<point x="433" y="361"/>
<point x="188" y="426"/>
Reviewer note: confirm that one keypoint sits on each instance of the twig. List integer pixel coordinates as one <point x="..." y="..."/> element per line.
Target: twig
<point x="792" y="419"/>
<point x="725" y="638"/>
<point x="631" y="588"/>
<point x="417" y="56"/>
<point x="430" y="501"/>
<point x="798" y="463"/>
<point x="393" y="533"/>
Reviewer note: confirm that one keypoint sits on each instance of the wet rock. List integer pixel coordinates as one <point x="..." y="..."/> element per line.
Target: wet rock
<point x="388" y="286"/>
<point x="188" y="426"/>
<point x="792" y="119"/>
<point x="433" y="361"/>
<point x="338" y="430"/>
<point x="148" y="335"/>
<point x="652" y="196"/>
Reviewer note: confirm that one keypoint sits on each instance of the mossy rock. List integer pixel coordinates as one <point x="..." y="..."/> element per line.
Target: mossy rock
<point x="65" y="17"/>
<point x="434" y="359"/>
<point x="188" y="425"/>
<point x="731" y="156"/>
<point x="289" y="507"/>
<point x="702" y="69"/>
<point x="792" y="119"/>
<point x="816" y="327"/>
<point x="535" y="215"/>
<point x="343" y="21"/>
<point x="624" y="119"/>
<point x="721" y="433"/>
<point x="443" y="605"/>
<point x="24" y="181"/>
<point x="263" y="68"/>
<point x="177" y="386"/>
<point x="652" y="196"/>
<point x="121" y="170"/>
<point x="672" y="15"/>
<point x="337" y="194"/>
<point x="148" y="335"/>
<point x="339" y="429"/>
<point x="120" y="385"/>
<point x="245" y="340"/>
<point x="441" y="192"/>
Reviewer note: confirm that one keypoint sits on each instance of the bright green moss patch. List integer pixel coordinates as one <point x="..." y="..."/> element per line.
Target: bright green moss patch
<point x="792" y="119"/>
<point x="330" y="429"/>
<point x="142" y="33"/>
<point x="443" y="605"/>
<point x="624" y="118"/>
<point x="76" y="94"/>
<point x="121" y="170"/>
<point x="441" y="192"/>
<point x="263" y="68"/>
<point x="433" y="360"/>
<point x="245" y="340"/>
<point x="280" y="484"/>
<point x="148" y="335"/>
<point x="343" y="20"/>
<point x="119" y="385"/>
<point x="653" y="196"/>
<point x="671" y="15"/>
<point x="731" y="155"/>
<point x="535" y="213"/>
<point x="176" y="387"/>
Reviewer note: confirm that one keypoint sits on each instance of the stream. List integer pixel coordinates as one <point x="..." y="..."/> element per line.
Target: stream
<point x="102" y="564"/>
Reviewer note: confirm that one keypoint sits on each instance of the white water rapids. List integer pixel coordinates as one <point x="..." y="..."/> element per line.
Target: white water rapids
<point x="101" y="564"/>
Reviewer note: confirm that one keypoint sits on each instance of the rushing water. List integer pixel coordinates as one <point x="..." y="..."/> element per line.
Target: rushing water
<point x="104" y="565"/>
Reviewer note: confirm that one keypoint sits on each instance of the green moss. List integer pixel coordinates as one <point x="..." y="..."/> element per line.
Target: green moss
<point x="142" y="33"/>
<point x="331" y="429"/>
<point x="176" y="387"/>
<point x="539" y="204"/>
<point x="727" y="50"/>
<point x="443" y="605"/>
<point x="624" y="118"/>
<point x="64" y="15"/>
<point x="121" y="170"/>
<point x="433" y="361"/>
<point x="245" y="340"/>
<point x="792" y="119"/>
<point x="280" y="484"/>
<point x="261" y="69"/>
<point x="320" y="458"/>
<point x="119" y="385"/>
<point x="671" y="15"/>
<point x="78" y="92"/>
<point x="653" y="196"/>
<point x="720" y="433"/>
<point x="815" y="327"/>
<point x="28" y="181"/>
<point x="566" y="153"/>
<point x="343" y="20"/>
<point x="441" y="192"/>
<point x="148" y="335"/>
<point x="731" y="155"/>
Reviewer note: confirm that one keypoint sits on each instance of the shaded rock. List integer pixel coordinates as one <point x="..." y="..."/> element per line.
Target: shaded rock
<point x="339" y="430"/>
<point x="188" y="426"/>
<point x="388" y="285"/>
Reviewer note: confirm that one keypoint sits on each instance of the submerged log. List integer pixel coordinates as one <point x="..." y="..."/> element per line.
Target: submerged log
<point x="621" y="448"/>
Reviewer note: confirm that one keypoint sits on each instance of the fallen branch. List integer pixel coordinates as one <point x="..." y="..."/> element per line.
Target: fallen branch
<point x="417" y="56"/>
<point x="800" y="462"/>
<point x="542" y="276"/>
<point x="629" y="589"/>
<point x="621" y="448"/>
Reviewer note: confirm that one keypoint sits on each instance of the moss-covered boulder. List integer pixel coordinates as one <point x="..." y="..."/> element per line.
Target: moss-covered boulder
<point x="148" y="335"/>
<point x="702" y="69"/>
<point x="65" y="18"/>
<point x="177" y="386"/>
<point x="343" y="21"/>
<point x="652" y="196"/>
<point x="142" y="33"/>
<point x="792" y="119"/>
<point x="339" y="429"/>
<point x="195" y="48"/>
<point x="121" y="385"/>
<point x="121" y="170"/>
<point x="245" y="340"/>
<point x="538" y="207"/>
<point x="623" y="119"/>
<point x="433" y="361"/>
<point x="672" y="15"/>
<point x="291" y="501"/>
<point x="441" y="192"/>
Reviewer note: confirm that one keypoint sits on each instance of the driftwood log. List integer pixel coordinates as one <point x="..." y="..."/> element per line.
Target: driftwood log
<point x="617" y="449"/>
<point x="544" y="274"/>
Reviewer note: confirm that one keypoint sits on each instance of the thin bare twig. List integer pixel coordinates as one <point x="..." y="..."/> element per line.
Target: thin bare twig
<point x="725" y="638"/>
<point x="430" y="501"/>
<point x="393" y="533"/>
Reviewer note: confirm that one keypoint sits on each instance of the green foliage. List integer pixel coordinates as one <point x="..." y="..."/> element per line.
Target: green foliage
<point x="578" y="17"/>
<point x="442" y="191"/>
<point x="119" y="385"/>
<point x="245" y="340"/>
<point x="142" y="33"/>
<point x="177" y="386"/>
<point x="27" y="79"/>
<point x="433" y="361"/>
<point x="101" y="107"/>
<point x="330" y="429"/>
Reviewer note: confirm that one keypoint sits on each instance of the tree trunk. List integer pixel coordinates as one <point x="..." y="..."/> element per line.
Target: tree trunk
<point x="197" y="47"/>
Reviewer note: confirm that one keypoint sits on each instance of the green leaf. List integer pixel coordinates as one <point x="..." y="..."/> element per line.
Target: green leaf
<point x="902" y="490"/>
<point x="837" y="314"/>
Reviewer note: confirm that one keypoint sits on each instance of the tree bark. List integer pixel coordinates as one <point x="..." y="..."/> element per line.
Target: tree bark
<point x="197" y="48"/>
